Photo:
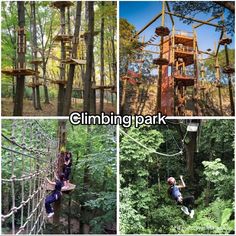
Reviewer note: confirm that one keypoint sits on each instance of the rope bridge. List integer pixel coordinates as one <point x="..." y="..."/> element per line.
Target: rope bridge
<point x="28" y="157"/>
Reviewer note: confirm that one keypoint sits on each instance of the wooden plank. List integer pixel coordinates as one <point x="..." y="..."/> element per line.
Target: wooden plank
<point x="147" y="25"/>
<point x="193" y="19"/>
<point x="61" y="4"/>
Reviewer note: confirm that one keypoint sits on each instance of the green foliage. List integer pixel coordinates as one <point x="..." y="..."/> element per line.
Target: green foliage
<point x="94" y="173"/>
<point x="127" y="43"/>
<point x="145" y="205"/>
<point x="193" y="8"/>
<point x="223" y="179"/>
<point x="214" y="219"/>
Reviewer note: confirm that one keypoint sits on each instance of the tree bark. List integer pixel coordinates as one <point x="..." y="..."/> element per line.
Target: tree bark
<point x="102" y="60"/>
<point x="60" y="98"/>
<point x="20" y="79"/>
<point x="69" y="86"/>
<point x="34" y="48"/>
<point x="89" y="57"/>
<point x="93" y="91"/>
<point x="60" y="163"/>
<point x="114" y="50"/>
<point x="46" y="94"/>
<point x="190" y="153"/>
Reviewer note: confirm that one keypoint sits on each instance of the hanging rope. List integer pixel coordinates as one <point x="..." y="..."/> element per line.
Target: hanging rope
<point x="28" y="156"/>
<point x="151" y="149"/>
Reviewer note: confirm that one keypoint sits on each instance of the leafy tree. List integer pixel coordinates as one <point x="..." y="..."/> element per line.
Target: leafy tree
<point x="192" y="8"/>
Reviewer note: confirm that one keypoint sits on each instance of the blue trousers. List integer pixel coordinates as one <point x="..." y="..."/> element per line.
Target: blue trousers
<point x="67" y="173"/>
<point x="49" y="200"/>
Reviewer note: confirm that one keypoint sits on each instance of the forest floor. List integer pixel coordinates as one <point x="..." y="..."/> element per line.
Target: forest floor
<point x="210" y="107"/>
<point x="48" y="109"/>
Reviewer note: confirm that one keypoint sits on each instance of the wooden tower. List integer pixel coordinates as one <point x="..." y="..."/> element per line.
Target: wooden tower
<point x="179" y="69"/>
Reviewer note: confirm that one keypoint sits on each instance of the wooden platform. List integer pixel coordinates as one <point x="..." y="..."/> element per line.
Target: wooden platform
<point x="74" y="61"/>
<point x="188" y="57"/>
<point x="33" y="85"/>
<point x="63" y="37"/>
<point x="185" y="40"/>
<point x="71" y="187"/>
<point x="85" y="34"/>
<point x="19" y="72"/>
<point x="61" y="4"/>
<point x="186" y="80"/>
<point x="228" y="70"/>
<point x="37" y="61"/>
<point x="105" y="87"/>
<point x="59" y="82"/>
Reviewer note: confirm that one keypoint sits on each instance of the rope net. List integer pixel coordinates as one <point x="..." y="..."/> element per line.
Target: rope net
<point x="28" y="157"/>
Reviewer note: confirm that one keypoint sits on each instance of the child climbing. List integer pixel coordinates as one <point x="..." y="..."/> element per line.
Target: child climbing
<point x="55" y="195"/>
<point x="186" y="202"/>
<point x="67" y="168"/>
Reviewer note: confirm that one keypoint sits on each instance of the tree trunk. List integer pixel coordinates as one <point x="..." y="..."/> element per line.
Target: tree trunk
<point x="190" y="152"/>
<point x="69" y="215"/>
<point x="69" y="86"/>
<point x="46" y="94"/>
<point x="112" y="81"/>
<point x="34" y="48"/>
<point x="102" y="60"/>
<point x="20" y="79"/>
<point x="60" y="98"/>
<point x="89" y="57"/>
<point x="60" y="163"/>
<point x="113" y="49"/>
<point x="93" y="91"/>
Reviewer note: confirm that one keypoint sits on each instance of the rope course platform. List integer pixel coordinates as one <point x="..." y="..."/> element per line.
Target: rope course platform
<point x="61" y="4"/>
<point x="228" y="70"/>
<point x="74" y="61"/>
<point x="19" y="72"/>
<point x="59" y="81"/>
<point x="107" y="87"/>
<point x="70" y="188"/>
<point x="63" y="37"/>
<point x="85" y="34"/>
<point x="28" y="156"/>
<point x="33" y="85"/>
<point x="36" y="61"/>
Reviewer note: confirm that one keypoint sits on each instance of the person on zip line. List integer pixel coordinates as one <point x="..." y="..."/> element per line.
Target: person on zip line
<point x="174" y="191"/>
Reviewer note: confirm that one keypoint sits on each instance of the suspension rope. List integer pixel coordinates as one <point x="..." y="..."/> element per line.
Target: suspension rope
<point x="152" y="149"/>
<point x="173" y="138"/>
<point x="29" y="156"/>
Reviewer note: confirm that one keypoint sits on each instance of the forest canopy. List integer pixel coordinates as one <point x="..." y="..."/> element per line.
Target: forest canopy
<point x="145" y="204"/>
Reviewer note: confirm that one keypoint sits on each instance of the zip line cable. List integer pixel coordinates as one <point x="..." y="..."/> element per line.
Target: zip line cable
<point x="152" y="149"/>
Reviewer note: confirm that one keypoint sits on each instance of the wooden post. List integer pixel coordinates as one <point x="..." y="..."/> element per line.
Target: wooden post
<point x="159" y="81"/>
<point x="195" y="94"/>
<point x="123" y="97"/>
<point x="217" y="74"/>
<point x="231" y="96"/>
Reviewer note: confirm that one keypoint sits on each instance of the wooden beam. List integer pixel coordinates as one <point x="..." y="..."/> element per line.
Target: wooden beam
<point x="210" y="19"/>
<point x="193" y="19"/>
<point x="208" y="53"/>
<point x="147" y="25"/>
<point x="218" y="47"/>
<point x="151" y="51"/>
<point x="152" y="44"/>
<point x="168" y="8"/>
